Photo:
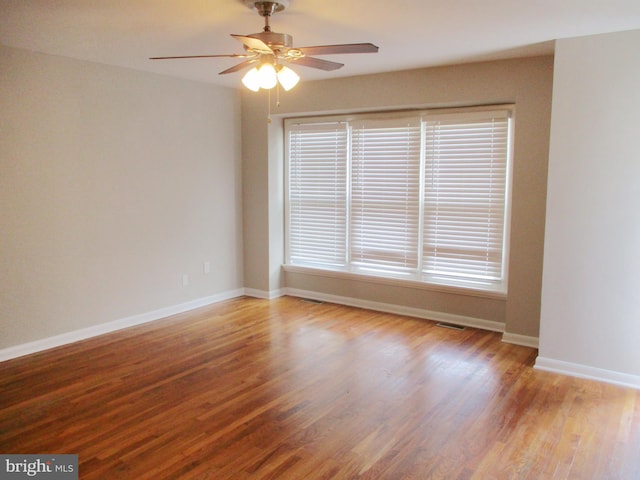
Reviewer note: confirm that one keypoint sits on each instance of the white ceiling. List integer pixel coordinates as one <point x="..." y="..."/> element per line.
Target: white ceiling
<point x="410" y="33"/>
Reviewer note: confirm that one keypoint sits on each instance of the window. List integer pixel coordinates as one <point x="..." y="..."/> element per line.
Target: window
<point x="415" y="196"/>
<point x="317" y="197"/>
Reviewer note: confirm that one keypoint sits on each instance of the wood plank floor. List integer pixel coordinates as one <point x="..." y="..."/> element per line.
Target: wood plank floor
<point x="287" y="389"/>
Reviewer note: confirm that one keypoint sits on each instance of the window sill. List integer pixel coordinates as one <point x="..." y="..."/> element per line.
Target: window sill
<point x="399" y="282"/>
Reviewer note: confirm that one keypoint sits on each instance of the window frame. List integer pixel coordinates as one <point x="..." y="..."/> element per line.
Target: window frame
<point x="419" y="279"/>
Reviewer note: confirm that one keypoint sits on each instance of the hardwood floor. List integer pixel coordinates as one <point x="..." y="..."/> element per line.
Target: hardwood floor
<point x="287" y="389"/>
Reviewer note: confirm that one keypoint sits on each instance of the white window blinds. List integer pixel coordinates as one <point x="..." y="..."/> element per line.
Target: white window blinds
<point x="422" y="196"/>
<point x="464" y="195"/>
<point x="385" y="193"/>
<point x="317" y="198"/>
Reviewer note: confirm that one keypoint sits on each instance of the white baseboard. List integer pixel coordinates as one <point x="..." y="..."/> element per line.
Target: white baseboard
<point x="399" y="310"/>
<point x="585" y="371"/>
<point x="522" y="340"/>
<point x="264" y="294"/>
<point x="95" y="330"/>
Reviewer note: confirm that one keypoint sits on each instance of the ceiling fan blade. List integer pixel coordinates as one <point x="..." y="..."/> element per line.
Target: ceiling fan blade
<point x="317" y="63"/>
<point x="339" y="49"/>
<point x="233" y="55"/>
<point x="239" y="66"/>
<point x="253" y="44"/>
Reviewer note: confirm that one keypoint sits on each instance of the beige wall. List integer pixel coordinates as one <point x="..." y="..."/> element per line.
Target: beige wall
<point x="590" y="322"/>
<point x="525" y="82"/>
<point x="113" y="184"/>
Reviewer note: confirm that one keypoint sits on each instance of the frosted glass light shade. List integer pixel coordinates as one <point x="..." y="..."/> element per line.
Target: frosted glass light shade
<point x="267" y="76"/>
<point x="287" y="78"/>
<point x="252" y="79"/>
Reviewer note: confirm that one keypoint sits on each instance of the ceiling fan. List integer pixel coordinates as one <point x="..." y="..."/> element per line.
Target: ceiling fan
<point x="270" y="51"/>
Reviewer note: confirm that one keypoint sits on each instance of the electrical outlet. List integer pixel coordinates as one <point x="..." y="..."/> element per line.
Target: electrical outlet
<point x="185" y="280"/>
<point x="206" y="268"/>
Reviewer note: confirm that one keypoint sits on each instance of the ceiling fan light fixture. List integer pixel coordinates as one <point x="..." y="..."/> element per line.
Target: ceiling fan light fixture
<point x="251" y="80"/>
<point x="287" y="78"/>
<point x="267" y="76"/>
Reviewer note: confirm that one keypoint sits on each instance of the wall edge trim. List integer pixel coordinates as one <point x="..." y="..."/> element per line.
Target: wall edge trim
<point x="112" y="326"/>
<point x="264" y="294"/>
<point x="399" y="310"/>
<point x="585" y="371"/>
<point x="522" y="340"/>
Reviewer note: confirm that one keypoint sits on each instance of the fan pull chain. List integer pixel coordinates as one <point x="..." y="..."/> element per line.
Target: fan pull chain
<point x="269" y="101"/>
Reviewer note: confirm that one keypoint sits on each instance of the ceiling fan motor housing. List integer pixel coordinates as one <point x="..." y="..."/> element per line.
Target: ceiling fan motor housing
<point x="276" y="41"/>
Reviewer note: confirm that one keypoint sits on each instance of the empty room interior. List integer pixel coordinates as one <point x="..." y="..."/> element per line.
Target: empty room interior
<point x="398" y="240"/>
